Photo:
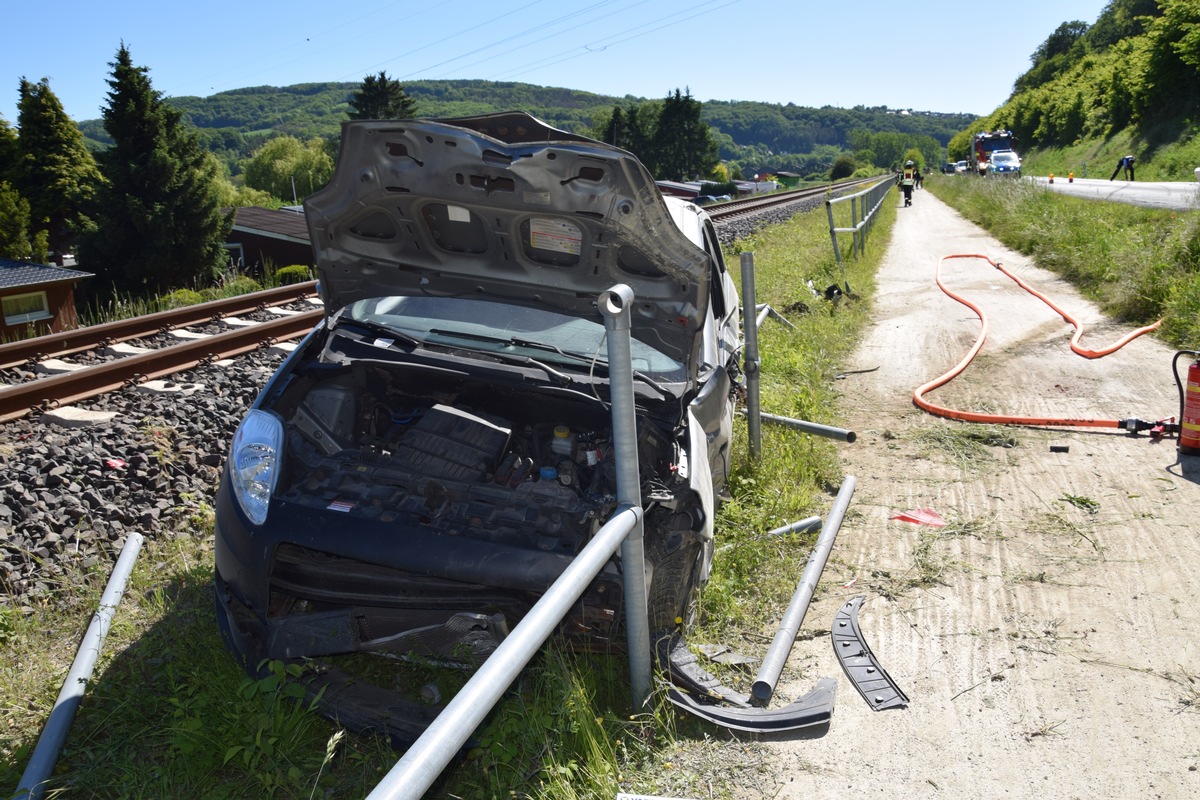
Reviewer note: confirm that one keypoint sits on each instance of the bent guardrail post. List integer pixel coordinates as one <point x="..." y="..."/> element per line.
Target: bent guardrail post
<point x="765" y="311"/>
<point x="799" y="526"/>
<point x="789" y="627"/>
<point x="614" y="305"/>
<point x="58" y="724"/>
<point x="424" y="761"/>
<point x="815" y="428"/>
<point x="751" y="362"/>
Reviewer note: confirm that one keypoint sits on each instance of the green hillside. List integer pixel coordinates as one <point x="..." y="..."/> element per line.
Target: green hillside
<point x="234" y="124"/>
<point x="1127" y="84"/>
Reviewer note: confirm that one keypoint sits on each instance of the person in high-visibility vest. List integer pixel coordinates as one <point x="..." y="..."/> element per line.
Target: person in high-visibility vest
<point x="907" y="178"/>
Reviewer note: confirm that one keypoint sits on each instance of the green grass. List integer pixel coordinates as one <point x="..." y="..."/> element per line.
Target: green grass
<point x="169" y="714"/>
<point x="231" y="284"/>
<point x="1139" y="264"/>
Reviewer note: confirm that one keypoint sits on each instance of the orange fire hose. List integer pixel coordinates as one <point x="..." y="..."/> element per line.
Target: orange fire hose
<point x="1002" y="419"/>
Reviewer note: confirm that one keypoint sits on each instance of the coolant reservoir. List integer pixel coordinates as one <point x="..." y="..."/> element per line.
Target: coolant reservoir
<point x="563" y="441"/>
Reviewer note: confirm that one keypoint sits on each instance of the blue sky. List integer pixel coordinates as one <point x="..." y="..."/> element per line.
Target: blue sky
<point x="934" y="55"/>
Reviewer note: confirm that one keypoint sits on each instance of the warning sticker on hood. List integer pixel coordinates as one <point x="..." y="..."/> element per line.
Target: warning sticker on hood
<point x="555" y="235"/>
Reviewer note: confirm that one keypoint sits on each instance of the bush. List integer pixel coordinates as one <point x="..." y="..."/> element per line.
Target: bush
<point x="180" y="298"/>
<point x="844" y="167"/>
<point x="294" y="273"/>
<point x="233" y="287"/>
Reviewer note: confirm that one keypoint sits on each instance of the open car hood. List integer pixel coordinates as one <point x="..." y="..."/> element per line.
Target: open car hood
<point x="505" y="208"/>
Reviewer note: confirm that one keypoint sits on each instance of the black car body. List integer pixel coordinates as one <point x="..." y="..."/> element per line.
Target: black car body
<point x="433" y="455"/>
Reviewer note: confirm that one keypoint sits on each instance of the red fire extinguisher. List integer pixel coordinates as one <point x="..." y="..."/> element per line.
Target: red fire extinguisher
<point x="1189" y="405"/>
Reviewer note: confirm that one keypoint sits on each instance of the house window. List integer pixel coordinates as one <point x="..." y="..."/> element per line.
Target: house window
<point x="22" y="308"/>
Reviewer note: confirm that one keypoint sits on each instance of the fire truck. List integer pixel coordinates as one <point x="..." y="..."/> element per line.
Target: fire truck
<point x="984" y="144"/>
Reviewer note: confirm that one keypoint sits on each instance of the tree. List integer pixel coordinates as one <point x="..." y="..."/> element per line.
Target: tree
<point x="8" y="151"/>
<point x="1121" y="19"/>
<point x="15" y="240"/>
<point x="842" y="168"/>
<point x="615" y="130"/>
<point x="54" y="171"/>
<point x="159" y="223"/>
<point x="380" y="97"/>
<point x="683" y="144"/>
<point x="1169" y="72"/>
<point x="288" y="168"/>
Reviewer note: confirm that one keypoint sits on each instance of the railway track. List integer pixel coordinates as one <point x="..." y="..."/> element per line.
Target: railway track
<point x="733" y="209"/>
<point x="112" y="368"/>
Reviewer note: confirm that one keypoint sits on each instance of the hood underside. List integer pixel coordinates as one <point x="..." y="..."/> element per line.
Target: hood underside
<point x="504" y="208"/>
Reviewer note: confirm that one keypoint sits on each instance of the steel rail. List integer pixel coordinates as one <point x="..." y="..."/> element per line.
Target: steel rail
<point x="736" y="208"/>
<point x="58" y="344"/>
<point x="20" y="399"/>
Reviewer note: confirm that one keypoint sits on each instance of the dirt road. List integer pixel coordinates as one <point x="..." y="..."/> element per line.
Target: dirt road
<point x="1048" y="636"/>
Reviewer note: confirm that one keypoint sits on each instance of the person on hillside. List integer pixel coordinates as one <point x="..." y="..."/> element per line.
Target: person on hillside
<point x="1126" y="164"/>
<point x="907" y="178"/>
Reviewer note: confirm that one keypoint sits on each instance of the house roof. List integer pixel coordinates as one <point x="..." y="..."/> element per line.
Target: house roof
<point x="17" y="274"/>
<point x="286" y="225"/>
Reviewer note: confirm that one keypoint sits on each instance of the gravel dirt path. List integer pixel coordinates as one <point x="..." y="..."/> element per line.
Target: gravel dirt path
<point x="1048" y="636"/>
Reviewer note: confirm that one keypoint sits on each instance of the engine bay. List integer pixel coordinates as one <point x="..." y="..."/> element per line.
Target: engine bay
<point x="393" y="443"/>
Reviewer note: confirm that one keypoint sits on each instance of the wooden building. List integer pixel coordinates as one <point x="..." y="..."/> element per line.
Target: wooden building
<point x="37" y="299"/>
<point x="265" y="235"/>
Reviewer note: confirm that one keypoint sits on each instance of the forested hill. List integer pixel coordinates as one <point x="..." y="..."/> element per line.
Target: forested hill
<point x="233" y="124"/>
<point x="1127" y="84"/>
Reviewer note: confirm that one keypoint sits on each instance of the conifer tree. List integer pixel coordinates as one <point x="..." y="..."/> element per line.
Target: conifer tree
<point x="8" y="151"/>
<point x="614" y="131"/>
<point x="54" y="171"/>
<point x="15" y="242"/>
<point x="159" y="223"/>
<point x="684" y="145"/>
<point x="380" y="97"/>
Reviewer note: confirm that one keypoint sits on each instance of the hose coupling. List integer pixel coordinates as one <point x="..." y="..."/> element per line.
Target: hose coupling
<point x="1135" y="425"/>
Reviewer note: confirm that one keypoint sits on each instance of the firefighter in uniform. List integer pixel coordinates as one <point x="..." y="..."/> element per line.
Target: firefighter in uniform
<point x="907" y="178"/>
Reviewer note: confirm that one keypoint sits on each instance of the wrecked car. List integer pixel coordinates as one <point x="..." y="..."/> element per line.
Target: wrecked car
<point x="436" y="451"/>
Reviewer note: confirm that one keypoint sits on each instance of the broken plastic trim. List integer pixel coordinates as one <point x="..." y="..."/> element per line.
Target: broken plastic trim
<point x="860" y="664"/>
<point x="699" y="692"/>
<point x="814" y="708"/>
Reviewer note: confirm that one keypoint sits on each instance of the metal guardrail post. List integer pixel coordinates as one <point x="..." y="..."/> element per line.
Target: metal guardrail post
<point x="785" y="637"/>
<point x="815" y="428"/>
<point x="833" y="229"/>
<point x="58" y="724"/>
<point x="424" y="761"/>
<point x="800" y="526"/>
<point x="871" y="200"/>
<point x="854" y="223"/>
<point x="420" y="766"/>
<point x="614" y="305"/>
<point x="752" y="363"/>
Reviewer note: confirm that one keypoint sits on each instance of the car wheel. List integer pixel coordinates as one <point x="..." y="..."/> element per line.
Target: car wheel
<point x="674" y="594"/>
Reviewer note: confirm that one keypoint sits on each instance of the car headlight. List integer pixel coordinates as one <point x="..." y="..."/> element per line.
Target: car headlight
<point x="254" y="463"/>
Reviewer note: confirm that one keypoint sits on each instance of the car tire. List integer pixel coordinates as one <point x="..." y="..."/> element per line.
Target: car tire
<point x="673" y="598"/>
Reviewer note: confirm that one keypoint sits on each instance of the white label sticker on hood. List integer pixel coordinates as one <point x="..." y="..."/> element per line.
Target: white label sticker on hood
<point x="457" y="214"/>
<point x="556" y="235"/>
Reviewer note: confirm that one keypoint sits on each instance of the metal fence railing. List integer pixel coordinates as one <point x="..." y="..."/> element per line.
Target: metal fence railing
<point x="866" y="201"/>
